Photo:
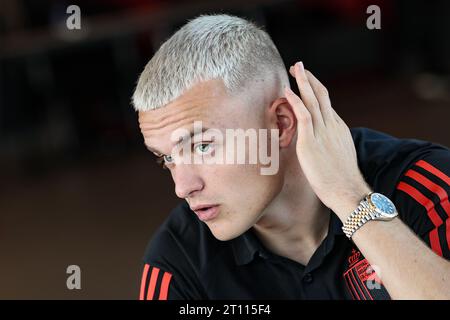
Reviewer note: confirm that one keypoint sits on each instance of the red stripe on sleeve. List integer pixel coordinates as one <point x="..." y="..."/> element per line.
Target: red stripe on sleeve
<point x="424" y="201"/>
<point x="433" y="170"/>
<point x="165" y="286"/>
<point x="447" y="232"/>
<point x="432" y="214"/>
<point x="143" y="281"/>
<point x="152" y="285"/>
<point x="433" y="187"/>
<point x="434" y="241"/>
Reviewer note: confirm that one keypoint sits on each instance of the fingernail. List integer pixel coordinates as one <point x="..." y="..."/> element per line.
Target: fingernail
<point x="300" y="66"/>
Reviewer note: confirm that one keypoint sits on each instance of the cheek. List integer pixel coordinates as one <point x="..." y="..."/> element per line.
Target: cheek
<point x="245" y="195"/>
<point x="245" y="184"/>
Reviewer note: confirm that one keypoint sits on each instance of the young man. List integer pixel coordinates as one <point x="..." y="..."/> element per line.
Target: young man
<point x="310" y="229"/>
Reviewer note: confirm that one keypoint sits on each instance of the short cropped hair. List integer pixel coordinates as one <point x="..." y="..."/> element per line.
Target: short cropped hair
<point x="208" y="47"/>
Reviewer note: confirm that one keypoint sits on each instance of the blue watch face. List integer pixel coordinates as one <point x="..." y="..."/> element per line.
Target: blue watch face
<point x="383" y="203"/>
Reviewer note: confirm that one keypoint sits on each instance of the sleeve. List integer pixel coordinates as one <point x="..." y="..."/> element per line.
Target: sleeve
<point x="159" y="284"/>
<point x="421" y="198"/>
<point x="168" y="272"/>
<point x="153" y="281"/>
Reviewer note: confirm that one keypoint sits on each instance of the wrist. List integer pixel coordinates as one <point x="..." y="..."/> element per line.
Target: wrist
<point x="348" y="201"/>
<point x="375" y="206"/>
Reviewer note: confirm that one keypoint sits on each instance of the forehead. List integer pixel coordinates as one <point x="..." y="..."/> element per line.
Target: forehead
<point x="198" y="101"/>
<point x="207" y="101"/>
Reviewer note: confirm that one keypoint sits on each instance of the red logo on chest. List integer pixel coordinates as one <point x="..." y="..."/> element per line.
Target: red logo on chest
<point x="354" y="257"/>
<point x="361" y="279"/>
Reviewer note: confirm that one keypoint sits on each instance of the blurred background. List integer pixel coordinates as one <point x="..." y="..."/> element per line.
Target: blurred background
<point x="77" y="185"/>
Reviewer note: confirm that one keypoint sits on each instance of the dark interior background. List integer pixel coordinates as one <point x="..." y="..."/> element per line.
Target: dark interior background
<point x="77" y="186"/>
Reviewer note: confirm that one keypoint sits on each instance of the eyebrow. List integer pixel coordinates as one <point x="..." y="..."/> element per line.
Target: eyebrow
<point x="190" y="136"/>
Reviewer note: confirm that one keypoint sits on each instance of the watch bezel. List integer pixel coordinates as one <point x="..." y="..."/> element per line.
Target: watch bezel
<point x="382" y="215"/>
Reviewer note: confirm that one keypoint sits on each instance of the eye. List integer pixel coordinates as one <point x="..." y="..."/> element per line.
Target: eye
<point x="162" y="160"/>
<point x="203" y="148"/>
<point x="168" y="159"/>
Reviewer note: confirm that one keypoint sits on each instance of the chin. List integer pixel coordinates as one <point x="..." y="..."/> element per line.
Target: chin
<point x="222" y="233"/>
<point x="223" y="237"/>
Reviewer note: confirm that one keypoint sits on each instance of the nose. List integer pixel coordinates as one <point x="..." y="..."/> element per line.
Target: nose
<point x="187" y="180"/>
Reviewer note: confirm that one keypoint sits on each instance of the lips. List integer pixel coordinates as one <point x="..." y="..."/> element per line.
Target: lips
<point x="206" y="212"/>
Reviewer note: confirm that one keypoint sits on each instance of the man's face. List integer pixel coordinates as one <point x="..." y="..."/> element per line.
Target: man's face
<point x="240" y="191"/>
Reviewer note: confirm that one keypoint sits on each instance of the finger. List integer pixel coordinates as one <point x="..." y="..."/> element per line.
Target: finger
<point x="292" y="71"/>
<point x="304" y="120"/>
<point x="307" y="94"/>
<point x="336" y="116"/>
<point x="321" y="93"/>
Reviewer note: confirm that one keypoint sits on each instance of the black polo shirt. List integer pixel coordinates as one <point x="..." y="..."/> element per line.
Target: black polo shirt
<point x="185" y="261"/>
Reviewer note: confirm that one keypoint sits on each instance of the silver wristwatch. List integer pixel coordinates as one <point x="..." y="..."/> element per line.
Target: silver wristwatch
<point x="374" y="206"/>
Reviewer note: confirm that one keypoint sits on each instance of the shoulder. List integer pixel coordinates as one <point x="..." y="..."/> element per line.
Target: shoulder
<point x="372" y="143"/>
<point x="421" y="197"/>
<point x="415" y="175"/>
<point x="383" y="158"/>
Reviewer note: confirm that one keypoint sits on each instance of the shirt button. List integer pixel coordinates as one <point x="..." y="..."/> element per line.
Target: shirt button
<point x="308" y="278"/>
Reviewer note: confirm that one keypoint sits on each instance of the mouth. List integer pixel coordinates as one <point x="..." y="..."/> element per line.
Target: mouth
<point x="206" y="212"/>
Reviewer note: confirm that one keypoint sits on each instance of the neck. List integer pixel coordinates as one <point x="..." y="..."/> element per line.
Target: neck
<point x="296" y="222"/>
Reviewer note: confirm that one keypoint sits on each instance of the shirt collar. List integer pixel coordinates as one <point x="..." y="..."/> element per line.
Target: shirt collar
<point x="247" y="246"/>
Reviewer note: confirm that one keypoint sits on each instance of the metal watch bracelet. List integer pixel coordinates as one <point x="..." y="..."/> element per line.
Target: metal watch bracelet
<point x="362" y="214"/>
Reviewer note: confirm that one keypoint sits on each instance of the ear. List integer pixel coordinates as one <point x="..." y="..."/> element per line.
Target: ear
<point x="281" y="116"/>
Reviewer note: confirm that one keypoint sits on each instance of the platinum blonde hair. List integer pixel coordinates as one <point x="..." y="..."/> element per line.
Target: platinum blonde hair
<point x="206" y="48"/>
